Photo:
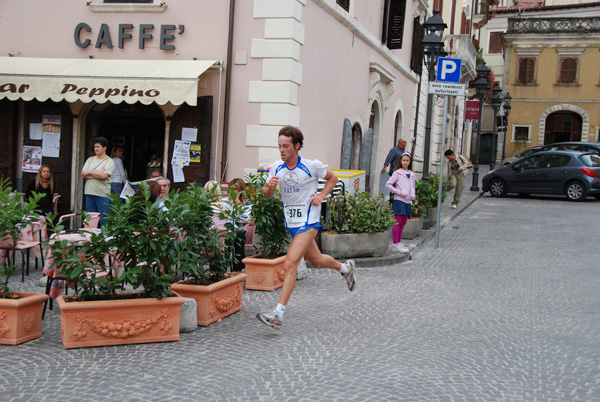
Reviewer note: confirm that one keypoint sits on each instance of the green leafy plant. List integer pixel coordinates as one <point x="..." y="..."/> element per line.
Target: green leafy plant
<point x="434" y="180"/>
<point x="15" y="214"/>
<point x="425" y="198"/>
<point x="360" y="213"/>
<point x="203" y="253"/>
<point x="144" y="248"/>
<point x="267" y="214"/>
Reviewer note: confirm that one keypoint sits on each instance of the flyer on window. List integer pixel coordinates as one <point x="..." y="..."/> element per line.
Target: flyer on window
<point x="181" y="153"/>
<point x="32" y="158"/>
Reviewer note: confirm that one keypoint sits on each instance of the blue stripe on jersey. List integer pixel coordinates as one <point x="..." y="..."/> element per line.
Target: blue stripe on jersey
<point x="303" y="167"/>
<point x="279" y="168"/>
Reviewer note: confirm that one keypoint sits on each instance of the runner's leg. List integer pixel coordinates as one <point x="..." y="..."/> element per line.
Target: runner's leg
<point x="299" y="247"/>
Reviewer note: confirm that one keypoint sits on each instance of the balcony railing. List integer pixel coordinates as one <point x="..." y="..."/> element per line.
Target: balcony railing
<point x="461" y="47"/>
<point x="553" y="25"/>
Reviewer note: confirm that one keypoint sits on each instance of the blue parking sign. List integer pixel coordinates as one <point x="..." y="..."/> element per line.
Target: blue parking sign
<point x="448" y="70"/>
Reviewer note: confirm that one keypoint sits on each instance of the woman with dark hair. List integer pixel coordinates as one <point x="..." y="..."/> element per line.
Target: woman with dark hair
<point x="97" y="171"/>
<point x="42" y="184"/>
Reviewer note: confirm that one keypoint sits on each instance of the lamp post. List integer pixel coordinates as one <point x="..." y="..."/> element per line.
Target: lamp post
<point x="432" y="49"/>
<point x="506" y="108"/>
<point x="496" y="101"/>
<point x="481" y="88"/>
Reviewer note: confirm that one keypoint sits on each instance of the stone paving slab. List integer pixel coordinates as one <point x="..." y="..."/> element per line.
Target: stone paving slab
<point x="506" y="308"/>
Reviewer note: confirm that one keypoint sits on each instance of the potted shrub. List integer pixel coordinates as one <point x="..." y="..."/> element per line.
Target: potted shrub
<point x="358" y="226"/>
<point x="204" y="255"/>
<point x="265" y="270"/>
<point x="102" y="312"/>
<point x="425" y="197"/>
<point x="20" y="312"/>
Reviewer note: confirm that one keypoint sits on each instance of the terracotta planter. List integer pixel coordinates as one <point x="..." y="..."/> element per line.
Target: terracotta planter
<point x="348" y="245"/>
<point x="215" y="301"/>
<point x="21" y="319"/>
<point x="412" y="228"/>
<point x="264" y="274"/>
<point x="119" y="322"/>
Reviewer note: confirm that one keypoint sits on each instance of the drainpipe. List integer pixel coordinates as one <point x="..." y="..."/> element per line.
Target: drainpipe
<point x="227" y="91"/>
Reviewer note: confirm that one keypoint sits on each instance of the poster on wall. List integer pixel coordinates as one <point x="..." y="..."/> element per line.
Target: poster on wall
<point x="181" y="153"/>
<point x="35" y="131"/>
<point x="51" y="144"/>
<point x="32" y="158"/>
<point x="189" y="134"/>
<point x="195" y="153"/>
<point x="51" y="123"/>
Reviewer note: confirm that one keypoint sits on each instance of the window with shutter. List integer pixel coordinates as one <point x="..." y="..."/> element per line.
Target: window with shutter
<point x="526" y="75"/>
<point x="345" y="4"/>
<point x="416" y="57"/>
<point x="495" y="45"/>
<point x="394" y="23"/>
<point x="568" y="71"/>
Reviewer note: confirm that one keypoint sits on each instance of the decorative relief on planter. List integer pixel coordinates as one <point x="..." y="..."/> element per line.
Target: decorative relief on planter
<point x="258" y="277"/>
<point x="122" y="329"/>
<point x="29" y="321"/>
<point x="220" y="305"/>
<point x="4" y="327"/>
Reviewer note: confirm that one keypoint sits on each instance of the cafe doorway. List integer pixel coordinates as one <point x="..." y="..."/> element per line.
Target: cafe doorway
<point x="138" y="128"/>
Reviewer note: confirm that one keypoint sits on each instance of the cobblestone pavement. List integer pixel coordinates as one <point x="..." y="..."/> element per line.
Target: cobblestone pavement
<point x="506" y="309"/>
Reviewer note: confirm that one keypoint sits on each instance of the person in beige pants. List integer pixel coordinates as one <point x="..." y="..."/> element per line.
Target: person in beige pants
<point x="458" y="167"/>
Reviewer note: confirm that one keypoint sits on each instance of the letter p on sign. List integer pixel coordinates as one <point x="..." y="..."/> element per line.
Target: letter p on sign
<point x="448" y="70"/>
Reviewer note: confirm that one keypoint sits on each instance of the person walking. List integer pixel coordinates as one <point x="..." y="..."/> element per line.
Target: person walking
<point x="117" y="180"/>
<point x="458" y="167"/>
<point x="297" y="179"/>
<point x="97" y="171"/>
<point x="402" y="185"/>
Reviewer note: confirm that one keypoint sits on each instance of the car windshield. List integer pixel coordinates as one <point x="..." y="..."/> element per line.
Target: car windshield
<point x="590" y="160"/>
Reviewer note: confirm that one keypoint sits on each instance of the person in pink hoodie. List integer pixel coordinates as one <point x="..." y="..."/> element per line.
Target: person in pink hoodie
<point x="402" y="185"/>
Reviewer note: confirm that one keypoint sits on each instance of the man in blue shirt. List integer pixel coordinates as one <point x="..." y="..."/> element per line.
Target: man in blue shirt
<point x="394" y="156"/>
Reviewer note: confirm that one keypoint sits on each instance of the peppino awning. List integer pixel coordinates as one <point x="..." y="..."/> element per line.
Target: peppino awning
<point x="114" y="81"/>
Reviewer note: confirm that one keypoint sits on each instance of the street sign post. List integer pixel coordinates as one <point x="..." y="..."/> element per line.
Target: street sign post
<point x="443" y="88"/>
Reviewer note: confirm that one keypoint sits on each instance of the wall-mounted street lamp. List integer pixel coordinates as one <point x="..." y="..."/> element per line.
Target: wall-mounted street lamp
<point x="496" y="101"/>
<point x="433" y="48"/>
<point x="481" y="89"/>
<point x="506" y="106"/>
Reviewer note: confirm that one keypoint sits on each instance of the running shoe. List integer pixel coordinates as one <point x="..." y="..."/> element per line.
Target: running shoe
<point x="350" y="278"/>
<point x="270" y="319"/>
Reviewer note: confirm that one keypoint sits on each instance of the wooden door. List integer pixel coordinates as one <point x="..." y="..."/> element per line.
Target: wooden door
<point x="199" y="117"/>
<point x="7" y="140"/>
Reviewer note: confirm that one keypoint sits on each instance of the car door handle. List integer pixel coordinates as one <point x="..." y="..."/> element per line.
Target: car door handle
<point x="564" y="172"/>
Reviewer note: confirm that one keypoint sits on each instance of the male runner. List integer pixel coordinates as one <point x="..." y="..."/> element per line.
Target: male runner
<point x="297" y="179"/>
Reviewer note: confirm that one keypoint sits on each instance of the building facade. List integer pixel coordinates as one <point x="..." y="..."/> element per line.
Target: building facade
<point x="224" y="76"/>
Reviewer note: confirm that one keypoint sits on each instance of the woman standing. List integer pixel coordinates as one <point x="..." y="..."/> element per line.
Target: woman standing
<point x="402" y="185"/>
<point x="42" y="184"/>
<point x="97" y="171"/>
<point x="118" y="178"/>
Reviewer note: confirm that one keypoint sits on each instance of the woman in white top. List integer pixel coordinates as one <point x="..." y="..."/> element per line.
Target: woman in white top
<point x="97" y="171"/>
<point x="118" y="177"/>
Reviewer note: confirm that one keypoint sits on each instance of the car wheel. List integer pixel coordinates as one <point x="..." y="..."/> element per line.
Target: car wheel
<point x="576" y="191"/>
<point x="498" y="188"/>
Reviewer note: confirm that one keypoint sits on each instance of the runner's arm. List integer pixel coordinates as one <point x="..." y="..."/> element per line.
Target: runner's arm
<point x="332" y="179"/>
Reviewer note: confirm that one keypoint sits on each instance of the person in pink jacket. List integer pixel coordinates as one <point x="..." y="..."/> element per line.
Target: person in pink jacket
<point x="402" y="185"/>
